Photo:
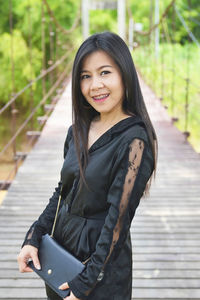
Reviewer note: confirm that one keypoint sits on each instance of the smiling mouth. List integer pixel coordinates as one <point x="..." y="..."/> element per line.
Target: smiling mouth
<point x="100" y="97"/>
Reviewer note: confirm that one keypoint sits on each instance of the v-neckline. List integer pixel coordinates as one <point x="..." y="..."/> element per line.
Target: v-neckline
<point x="107" y="132"/>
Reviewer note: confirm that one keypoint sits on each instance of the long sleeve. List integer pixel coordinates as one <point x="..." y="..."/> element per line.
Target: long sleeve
<point x="45" y="221"/>
<point x="134" y="169"/>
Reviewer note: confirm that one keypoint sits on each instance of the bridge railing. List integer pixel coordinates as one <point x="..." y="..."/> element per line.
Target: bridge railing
<point x="173" y="78"/>
<point x="47" y="86"/>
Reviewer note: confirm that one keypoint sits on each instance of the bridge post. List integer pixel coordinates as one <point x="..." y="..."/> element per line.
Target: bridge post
<point x="131" y="34"/>
<point x="85" y="18"/>
<point x="157" y="28"/>
<point x="121" y="15"/>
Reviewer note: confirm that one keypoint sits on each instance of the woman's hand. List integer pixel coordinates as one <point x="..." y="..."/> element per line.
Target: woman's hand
<point x="65" y="286"/>
<point x="26" y="253"/>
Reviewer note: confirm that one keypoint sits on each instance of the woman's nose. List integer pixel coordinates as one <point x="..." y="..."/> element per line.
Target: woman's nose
<point x="96" y="83"/>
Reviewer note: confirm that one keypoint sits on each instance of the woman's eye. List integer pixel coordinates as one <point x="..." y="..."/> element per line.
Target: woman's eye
<point x="105" y="72"/>
<point x="84" y="76"/>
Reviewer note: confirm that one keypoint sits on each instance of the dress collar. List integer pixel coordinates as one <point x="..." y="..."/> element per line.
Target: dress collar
<point x="115" y="129"/>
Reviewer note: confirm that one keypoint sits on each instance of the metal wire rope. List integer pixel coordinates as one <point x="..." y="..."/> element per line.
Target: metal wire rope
<point x="164" y="15"/>
<point x="36" y="108"/>
<point x="44" y="73"/>
<point x="66" y="31"/>
<point x="30" y="140"/>
<point x="188" y="7"/>
<point x="191" y="35"/>
<point x="194" y="21"/>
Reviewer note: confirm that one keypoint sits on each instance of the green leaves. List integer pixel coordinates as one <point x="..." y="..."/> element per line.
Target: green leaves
<point x="167" y="76"/>
<point x="102" y="20"/>
<point x="23" y="71"/>
<point x="27" y="20"/>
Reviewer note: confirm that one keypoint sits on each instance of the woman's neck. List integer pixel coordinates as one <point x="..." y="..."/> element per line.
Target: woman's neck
<point x="110" y="119"/>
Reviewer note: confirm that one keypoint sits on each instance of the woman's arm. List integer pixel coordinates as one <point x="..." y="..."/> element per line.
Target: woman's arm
<point x="45" y="221"/>
<point x="135" y="166"/>
<point x="41" y="226"/>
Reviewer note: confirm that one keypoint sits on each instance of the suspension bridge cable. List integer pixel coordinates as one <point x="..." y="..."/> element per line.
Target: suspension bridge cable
<point x="186" y="27"/>
<point x="56" y="84"/>
<point x="161" y="19"/>
<point x="43" y="47"/>
<point x="165" y="29"/>
<point x="194" y="21"/>
<point x="187" y="7"/>
<point x="66" y="31"/>
<point x="44" y="73"/>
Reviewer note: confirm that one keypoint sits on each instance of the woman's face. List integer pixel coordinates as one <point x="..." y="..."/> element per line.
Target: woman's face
<point x="101" y="83"/>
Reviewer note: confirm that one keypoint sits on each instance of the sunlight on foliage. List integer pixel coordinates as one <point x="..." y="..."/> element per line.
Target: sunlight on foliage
<point x="24" y="72"/>
<point x="152" y="71"/>
<point x="101" y="20"/>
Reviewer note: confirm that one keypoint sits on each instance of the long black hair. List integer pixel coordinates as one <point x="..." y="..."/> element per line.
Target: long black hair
<point x="83" y="112"/>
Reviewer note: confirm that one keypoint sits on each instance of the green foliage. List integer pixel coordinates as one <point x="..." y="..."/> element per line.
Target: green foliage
<point x="144" y="11"/>
<point x="190" y="12"/>
<point x="27" y="43"/>
<point x="176" y="44"/>
<point x="27" y="22"/>
<point x="26" y="16"/>
<point x="141" y="12"/>
<point x="23" y="70"/>
<point x="103" y="20"/>
<point x="175" y="64"/>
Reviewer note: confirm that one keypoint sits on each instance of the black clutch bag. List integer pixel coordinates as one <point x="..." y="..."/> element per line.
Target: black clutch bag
<point x="57" y="264"/>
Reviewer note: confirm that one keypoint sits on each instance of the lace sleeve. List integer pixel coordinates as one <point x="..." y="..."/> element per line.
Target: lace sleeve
<point x="134" y="170"/>
<point x="135" y="157"/>
<point x="45" y="221"/>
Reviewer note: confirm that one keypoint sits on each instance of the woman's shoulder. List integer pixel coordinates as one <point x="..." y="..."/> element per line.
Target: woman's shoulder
<point x="130" y="129"/>
<point x="138" y="131"/>
<point x="67" y="139"/>
<point x="70" y="132"/>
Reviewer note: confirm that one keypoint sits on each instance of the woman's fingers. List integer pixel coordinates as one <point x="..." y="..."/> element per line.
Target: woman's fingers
<point x="36" y="260"/>
<point x="71" y="297"/>
<point x="26" y="253"/>
<point x="23" y="266"/>
<point x="64" y="286"/>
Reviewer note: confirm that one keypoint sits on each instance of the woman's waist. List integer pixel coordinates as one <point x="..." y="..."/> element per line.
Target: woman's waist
<point x="78" y="233"/>
<point x="84" y="213"/>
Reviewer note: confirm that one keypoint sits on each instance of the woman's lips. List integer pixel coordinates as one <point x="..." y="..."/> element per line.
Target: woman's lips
<point x="100" y="98"/>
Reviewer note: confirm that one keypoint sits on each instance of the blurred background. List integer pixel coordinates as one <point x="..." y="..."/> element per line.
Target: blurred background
<point x="38" y="41"/>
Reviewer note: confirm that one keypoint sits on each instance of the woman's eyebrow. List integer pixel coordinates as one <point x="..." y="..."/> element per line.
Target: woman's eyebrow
<point x="101" y="67"/>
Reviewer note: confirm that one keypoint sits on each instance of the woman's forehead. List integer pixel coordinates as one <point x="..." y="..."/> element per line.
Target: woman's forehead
<point x="96" y="60"/>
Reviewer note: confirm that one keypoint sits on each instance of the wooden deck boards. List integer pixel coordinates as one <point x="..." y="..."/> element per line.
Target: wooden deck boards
<point x="26" y="198"/>
<point x="165" y="231"/>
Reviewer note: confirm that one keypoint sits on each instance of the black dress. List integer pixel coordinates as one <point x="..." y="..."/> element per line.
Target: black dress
<point x="94" y="221"/>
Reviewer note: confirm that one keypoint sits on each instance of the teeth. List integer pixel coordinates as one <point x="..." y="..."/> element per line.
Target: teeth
<point x="101" y="97"/>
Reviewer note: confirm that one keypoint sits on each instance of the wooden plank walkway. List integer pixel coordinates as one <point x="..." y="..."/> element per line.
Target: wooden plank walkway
<point x="165" y="230"/>
<point x="28" y="195"/>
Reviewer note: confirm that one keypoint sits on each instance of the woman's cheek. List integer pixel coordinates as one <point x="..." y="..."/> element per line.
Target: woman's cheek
<point x="84" y="89"/>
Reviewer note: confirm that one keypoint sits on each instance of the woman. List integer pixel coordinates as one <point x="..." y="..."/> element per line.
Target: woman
<point x="109" y="159"/>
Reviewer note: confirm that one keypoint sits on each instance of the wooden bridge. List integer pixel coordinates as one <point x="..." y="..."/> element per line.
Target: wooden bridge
<point x="165" y="230"/>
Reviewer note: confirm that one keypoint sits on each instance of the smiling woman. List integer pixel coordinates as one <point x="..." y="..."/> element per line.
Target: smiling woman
<point x="110" y="155"/>
<point x="102" y="85"/>
<point x="103" y="88"/>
